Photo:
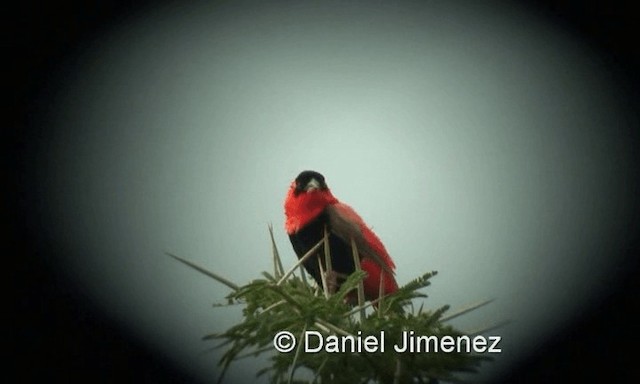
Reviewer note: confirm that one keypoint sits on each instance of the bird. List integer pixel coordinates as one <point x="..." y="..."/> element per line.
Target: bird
<point x="309" y="208"/>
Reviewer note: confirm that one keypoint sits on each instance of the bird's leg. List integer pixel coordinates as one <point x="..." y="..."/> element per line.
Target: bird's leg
<point x="332" y="281"/>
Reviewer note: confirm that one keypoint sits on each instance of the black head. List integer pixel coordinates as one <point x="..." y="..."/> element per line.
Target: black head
<point x="308" y="181"/>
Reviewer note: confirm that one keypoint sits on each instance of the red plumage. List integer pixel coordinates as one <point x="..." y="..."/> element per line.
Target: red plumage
<point x="309" y="207"/>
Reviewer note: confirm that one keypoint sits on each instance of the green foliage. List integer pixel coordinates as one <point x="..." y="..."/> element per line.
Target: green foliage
<point x="284" y="302"/>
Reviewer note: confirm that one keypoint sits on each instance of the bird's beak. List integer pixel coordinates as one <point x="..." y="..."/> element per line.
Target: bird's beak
<point x="312" y="185"/>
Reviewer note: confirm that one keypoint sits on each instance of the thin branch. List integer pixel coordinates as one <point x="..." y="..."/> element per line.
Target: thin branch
<point x="365" y="306"/>
<point x="319" y="370"/>
<point x="466" y="309"/>
<point x="205" y="271"/>
<point x="303" y="275"/>
<point x="356" y="261"/>
<point x="381" y="292"/>
<point x="322" y="327"/>
<point x="277" y="262"/>
<point x="398" y="372"/>
<point x="327" y="251"/>
<point x="295" y="358"/>
<point x="333" y="328"/>
<point x="276" y="304"/>
<point x="323" y="278"/>
<point x="302" y="260"/>
<point x="361" y="308"/>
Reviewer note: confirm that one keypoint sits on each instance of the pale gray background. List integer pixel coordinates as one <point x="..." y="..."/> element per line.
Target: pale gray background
<point x="476" y="140"/>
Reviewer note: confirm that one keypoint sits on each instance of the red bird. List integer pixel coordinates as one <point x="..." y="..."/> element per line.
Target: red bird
<point x="309" y="207"/>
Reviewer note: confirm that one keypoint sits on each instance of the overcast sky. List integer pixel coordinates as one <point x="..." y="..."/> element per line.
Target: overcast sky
<point x="478" y="141"/>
